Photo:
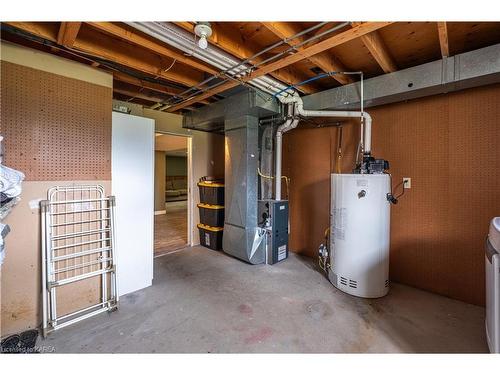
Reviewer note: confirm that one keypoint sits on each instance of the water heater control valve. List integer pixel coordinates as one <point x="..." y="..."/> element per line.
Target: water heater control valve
<point x="370" y="165"/>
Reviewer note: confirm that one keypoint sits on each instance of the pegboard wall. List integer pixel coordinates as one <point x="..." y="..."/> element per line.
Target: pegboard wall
<point x="448" y="146"/>
<point x="55" y="128"/>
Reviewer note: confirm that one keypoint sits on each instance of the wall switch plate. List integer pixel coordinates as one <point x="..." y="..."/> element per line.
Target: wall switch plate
<point x="407" y="182"/>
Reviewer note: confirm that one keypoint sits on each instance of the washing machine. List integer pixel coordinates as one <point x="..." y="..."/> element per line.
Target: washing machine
<point x="492" y="265"/>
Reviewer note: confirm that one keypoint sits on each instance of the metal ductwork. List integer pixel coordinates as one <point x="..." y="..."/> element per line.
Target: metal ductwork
<point x="238" y="116"/>
<point x="242" y="237"/>
<point x="462" y="71"/>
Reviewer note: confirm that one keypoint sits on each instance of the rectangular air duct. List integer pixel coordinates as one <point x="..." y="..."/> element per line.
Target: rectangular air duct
<point x="242" y="238"/>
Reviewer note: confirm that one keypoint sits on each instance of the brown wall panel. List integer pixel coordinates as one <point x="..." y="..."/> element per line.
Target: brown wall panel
<point x="55" y="128"/>
<point x="448" y="145"/>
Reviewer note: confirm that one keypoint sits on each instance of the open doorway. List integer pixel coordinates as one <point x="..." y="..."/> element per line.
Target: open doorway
<point x="171" y="193"/>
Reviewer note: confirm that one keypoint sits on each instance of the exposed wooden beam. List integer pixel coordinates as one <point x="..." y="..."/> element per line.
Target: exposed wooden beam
<point x="324" y="61"/>
<point x="231" y="42"/>
<point x="324" y="45"/>
<point x="323" y="28"/>
<point x="112" y="51"/>
<point x="68" y="32"/>
<point x="118" y="76"/>
<point x="443" y="38"/>
<point x="188" y="26"/>
<point x="139" y="95"/>
<point x="118" y="52"/>
<point x="378" y="50"/>
<point x="35" y="29"/>
<point x="207" y="94"/>
<point x="138" y="39"/>
<point x="146" y="84"/>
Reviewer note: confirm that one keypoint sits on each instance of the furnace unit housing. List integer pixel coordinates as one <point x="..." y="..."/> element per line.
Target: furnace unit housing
<point x="273" y="216"/>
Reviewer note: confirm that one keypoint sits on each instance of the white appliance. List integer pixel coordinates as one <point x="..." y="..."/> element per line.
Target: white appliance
<point x="359" y="232"/>
<point x="492" y="265"/>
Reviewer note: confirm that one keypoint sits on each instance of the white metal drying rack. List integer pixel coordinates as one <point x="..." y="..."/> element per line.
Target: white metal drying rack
<point x="78" y="243"/>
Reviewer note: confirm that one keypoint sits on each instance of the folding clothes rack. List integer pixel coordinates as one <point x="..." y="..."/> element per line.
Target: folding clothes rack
<point x="78" y="259"/>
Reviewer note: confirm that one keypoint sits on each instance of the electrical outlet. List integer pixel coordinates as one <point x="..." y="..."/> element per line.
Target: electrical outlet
<point x="407" y="182"/>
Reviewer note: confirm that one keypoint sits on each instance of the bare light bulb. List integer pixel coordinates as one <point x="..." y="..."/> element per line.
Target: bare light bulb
<point x="203" y="31"/>
<point x="202" y="43"/>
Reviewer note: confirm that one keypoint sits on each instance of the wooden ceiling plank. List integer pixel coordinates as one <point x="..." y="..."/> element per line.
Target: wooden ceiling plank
<point x="122" y="77"/>
<point x="374" y="43"/>
<point x="443" y="38"/>
<point x="96" y="50"/>
<point x="68" y="31"/>
<point x="136" y="38"/>
<point x="324" y="45"/>
<point x="233" y="44"/>
<point x="134" y="62"/>
<point x="319" y="47"/>
<point x="207" y="94"/>
<point x="284" y="30"/>
<point x="33" y="28"/>
<point x="134" y="94"/>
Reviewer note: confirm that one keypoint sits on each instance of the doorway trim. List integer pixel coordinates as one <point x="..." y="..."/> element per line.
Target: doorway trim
<point x="189" y="177"/>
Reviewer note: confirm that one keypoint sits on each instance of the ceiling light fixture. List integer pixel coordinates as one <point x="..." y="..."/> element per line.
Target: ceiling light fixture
<point x="203" y="31"/>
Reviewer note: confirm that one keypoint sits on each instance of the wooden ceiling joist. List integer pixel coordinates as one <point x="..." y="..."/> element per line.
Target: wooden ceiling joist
<point x="157" y="87"/>
<point x="324" y="61"/>
<point x="443" y="38"/>
<point x="139" y="95"/>
<point x="138" y="39"/>
<point x="207" y="94"/>
<point x="122" y="77"/>
<point x="374" y="43"/>
<point x="68" y="32"/>
<point x="118" y="55"/>
<point x="111" y="51"/>
<point x="324" y="45"/>
<point x="233" y="44"/>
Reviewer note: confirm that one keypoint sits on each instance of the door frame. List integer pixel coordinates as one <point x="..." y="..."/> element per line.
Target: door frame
<point x="189" y="177"/>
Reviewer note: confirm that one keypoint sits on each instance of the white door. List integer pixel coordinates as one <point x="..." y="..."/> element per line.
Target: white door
<point x="132" y="172"/>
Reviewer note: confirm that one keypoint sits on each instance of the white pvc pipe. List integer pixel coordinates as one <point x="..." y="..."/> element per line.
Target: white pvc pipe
<point x="291" y="124"/>
<point x="367" y="141"/>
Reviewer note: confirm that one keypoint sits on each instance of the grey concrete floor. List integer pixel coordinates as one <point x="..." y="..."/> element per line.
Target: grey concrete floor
<point x="204" y="301"/>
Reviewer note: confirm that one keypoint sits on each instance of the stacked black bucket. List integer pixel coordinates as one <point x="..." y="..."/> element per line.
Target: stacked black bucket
<point x="211" y="209"/>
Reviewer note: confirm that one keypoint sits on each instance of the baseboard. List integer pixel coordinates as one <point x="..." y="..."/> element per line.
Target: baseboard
<point x="161" y="212"/>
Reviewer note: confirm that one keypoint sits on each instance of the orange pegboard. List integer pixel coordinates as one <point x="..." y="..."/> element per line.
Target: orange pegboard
<point x="55" y="128"/>
<point x="448" y="145"/>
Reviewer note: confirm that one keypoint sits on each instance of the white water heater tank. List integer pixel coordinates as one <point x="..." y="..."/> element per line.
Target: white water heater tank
<point x="359" y="234"/>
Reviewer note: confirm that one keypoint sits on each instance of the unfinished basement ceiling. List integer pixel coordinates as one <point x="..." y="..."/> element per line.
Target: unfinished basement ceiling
<point x="153" y="73"/>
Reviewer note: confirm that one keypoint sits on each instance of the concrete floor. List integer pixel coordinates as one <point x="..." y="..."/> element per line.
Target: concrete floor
<point x="205" y="301"/>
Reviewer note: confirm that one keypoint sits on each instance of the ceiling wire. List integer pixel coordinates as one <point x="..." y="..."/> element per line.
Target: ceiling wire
<point x="252" y="68"/>
<point x="168" y="102"/>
